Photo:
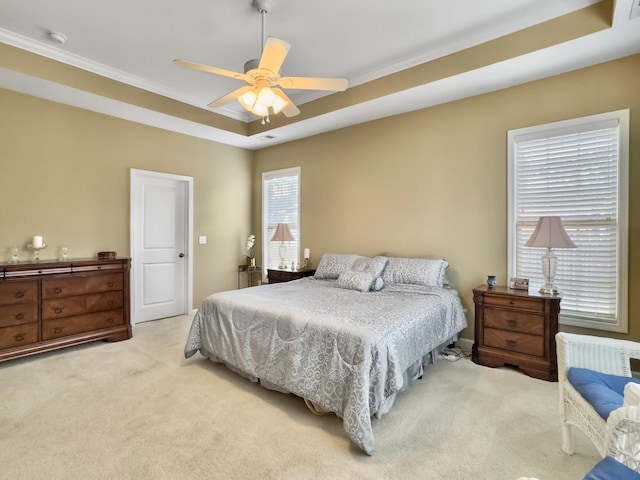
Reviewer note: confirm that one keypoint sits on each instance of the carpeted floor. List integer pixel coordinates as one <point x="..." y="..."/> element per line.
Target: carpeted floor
<point x="138" y="410"/>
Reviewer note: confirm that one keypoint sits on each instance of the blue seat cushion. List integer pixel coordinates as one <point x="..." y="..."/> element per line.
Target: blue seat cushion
<point x="610" y="469"/>
<point x="603" y="391"/>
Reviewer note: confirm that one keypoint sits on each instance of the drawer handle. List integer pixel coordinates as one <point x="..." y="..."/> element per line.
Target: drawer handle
<point x="111" y="303"/>
<point x="19" y="337"/>
<point x="19" y="294"/>
<point x="110" y="284"/>
<point x="512" y="323"/>
<point x="19" y="316"/>
<point x="57" y="290"/>
<point x="510" y="302"/>
<point x="58" y="310"/>
<point x="512" y="343"/>
<point x="58" y="329"/>
<point x="111" y="320"/>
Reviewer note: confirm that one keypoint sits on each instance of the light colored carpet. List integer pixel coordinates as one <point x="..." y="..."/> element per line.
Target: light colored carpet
<point x="138" y="409"/>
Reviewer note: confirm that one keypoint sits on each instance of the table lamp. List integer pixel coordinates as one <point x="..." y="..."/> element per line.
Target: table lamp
<point x="282" y="235"/>
<point x="549" y="233"/>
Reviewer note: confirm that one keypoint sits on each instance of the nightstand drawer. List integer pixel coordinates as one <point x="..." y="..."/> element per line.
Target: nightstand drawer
<point x="515" y="321"/>
<point x="514" y="342"/>
<point x="513" y="301"/>
<point x="279" y="276"/>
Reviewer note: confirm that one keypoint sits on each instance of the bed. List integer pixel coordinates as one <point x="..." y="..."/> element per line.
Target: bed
<point x="347" y="340"/>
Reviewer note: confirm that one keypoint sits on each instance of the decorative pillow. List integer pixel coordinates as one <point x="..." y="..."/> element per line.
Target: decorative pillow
<point x="377" y="284"/>
<point x="353" y="280"/>
<point x="445" y="280"/>
<point x="333" y="264"/>
<point x="375" y="265"/>
<point x="416" y="271"/>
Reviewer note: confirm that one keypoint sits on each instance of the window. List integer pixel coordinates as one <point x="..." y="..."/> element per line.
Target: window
<point x="280" y="204"/>
<point x="578" y="170"/>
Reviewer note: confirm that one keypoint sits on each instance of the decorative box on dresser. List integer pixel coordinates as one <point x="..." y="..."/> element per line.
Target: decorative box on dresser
<point x="279" y="276"/>
<point x="517" y="328"/>
<point x="53" y="304"/>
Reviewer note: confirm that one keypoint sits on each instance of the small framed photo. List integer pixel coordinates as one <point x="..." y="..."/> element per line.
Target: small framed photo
<point x="519" y="283"/>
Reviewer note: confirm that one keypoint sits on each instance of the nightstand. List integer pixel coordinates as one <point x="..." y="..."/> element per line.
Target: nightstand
<point x="517" y="328"/>
<point x="279" y="276"/>
<point x="251" y="271"/>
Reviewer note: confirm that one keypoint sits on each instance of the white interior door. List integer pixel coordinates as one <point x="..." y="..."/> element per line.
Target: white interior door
<point x="160" y="238"/>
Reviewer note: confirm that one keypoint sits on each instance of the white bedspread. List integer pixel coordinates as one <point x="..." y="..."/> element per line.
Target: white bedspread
<point x="344" y="350"/>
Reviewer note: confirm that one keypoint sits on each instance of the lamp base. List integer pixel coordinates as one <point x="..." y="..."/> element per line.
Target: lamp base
<point x="283" y="265"/>
<point x="548" y="290"/>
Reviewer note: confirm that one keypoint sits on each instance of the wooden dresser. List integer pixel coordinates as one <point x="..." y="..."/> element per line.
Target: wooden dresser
<point x="518" y="328"/>
<point x="279" y="276"/>
<point x="54" y="304"/>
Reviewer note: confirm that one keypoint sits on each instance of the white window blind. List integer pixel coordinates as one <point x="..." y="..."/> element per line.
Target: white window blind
<point x="280" y="204"/>
<point x="576" y="170"/>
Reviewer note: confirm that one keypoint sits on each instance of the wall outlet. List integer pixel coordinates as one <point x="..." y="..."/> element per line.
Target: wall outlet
<point x="202" y="239"/>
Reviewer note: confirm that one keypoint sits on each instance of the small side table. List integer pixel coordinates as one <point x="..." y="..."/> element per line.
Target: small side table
<point x="518" y="328"/>
<point x="250" y="271"/>
<point x="279" y="276"/>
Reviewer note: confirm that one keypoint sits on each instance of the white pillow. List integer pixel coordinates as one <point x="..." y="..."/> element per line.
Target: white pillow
<point x="333" y="264"/>
<point x="375" y="265"/>
<point x="415" y="271"/>
<point x="352" y="280"/>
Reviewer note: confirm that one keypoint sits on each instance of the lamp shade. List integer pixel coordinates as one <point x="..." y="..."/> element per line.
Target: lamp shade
<point x="550" y="233"/>
<point x="282" y="234"/>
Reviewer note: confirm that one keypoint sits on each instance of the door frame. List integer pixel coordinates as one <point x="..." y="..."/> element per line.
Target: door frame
<point x="135" y="233"/>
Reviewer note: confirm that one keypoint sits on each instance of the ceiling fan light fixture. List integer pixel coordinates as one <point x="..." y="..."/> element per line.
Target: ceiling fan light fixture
<point x="279" y="104"/>
<point x="260" y="109"/>
<point x="266" y="97"/>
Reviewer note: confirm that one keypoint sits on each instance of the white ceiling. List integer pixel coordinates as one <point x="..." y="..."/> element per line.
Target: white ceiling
<point x="135" y="41"/>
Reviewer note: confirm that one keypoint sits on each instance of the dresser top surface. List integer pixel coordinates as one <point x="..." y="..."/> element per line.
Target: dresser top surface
<point x="503" y="290"/>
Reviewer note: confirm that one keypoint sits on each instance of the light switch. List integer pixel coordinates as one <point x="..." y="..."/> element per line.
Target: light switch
<point x="202" y="239"/>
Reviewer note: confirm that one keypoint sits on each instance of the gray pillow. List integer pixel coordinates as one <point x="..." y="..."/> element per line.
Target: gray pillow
<point x="375" y="265"/>
<point x="415" y="271"/>
<point x="333" y="264"/>
<point x="352" y="280"/>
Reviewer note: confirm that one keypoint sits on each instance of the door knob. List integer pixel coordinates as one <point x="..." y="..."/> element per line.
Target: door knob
<point x="181" y="255"/>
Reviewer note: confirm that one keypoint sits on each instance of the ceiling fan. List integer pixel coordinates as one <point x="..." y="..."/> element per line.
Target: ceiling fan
<point x="262" y="96"/>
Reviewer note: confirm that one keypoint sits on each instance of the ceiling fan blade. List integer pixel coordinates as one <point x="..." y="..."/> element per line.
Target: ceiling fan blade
<point x="208" y="69"/>
<point x="274" y="53"/>
<point x="308" y="83"/>
<point x="230" y="96"/>
<point x="290" y="110"/>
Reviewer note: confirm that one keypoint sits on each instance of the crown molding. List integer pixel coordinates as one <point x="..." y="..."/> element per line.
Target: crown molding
<point x="54" y="53"/>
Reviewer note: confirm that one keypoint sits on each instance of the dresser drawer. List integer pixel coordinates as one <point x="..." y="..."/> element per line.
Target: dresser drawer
<point x="514" y="342"/>
<point x="18" y="314"/>
<point x="66" y="307"/>
<point x="81" y="323"/>
<point x="78" y="285"/>
<point x="12" y="293"/>
<point x="18" y="335"/>
<point x="513" y="301"/>
<point x="515" y="321"/>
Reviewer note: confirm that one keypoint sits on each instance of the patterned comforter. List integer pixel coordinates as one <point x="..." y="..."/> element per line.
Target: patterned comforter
<point x="344" y="350"/>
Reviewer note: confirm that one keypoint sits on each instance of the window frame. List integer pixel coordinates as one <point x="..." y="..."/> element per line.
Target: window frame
<point x="272" y="175"/>
<point x="620" y="324"/>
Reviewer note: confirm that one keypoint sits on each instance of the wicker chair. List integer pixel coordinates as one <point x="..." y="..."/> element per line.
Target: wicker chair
<point x="619" y="435"/>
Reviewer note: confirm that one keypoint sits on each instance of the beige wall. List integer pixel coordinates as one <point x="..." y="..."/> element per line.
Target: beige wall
<point x="64" y="174"/>
<point x="434" y="181"/>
